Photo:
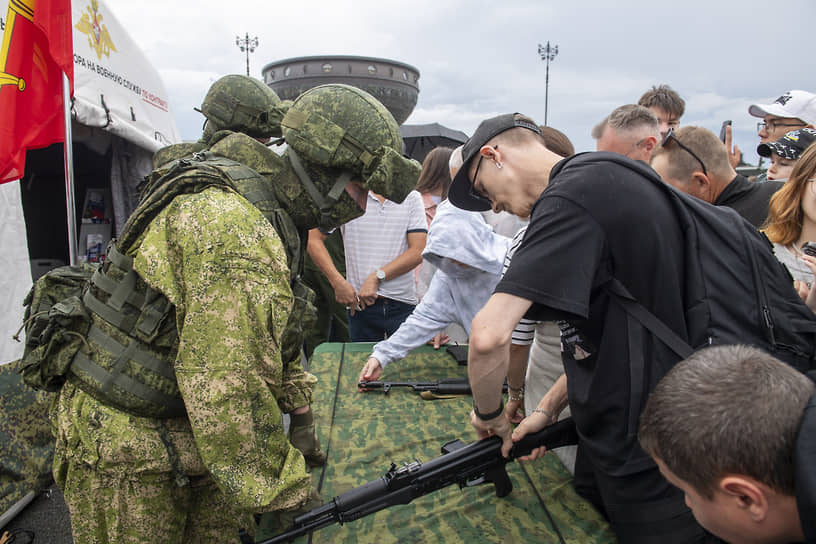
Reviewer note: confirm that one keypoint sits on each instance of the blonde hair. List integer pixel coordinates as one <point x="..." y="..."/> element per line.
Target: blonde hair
<point x="785" y="215"/>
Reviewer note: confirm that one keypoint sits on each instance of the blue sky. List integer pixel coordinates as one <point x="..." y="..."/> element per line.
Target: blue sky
<point x="477" y="59"/>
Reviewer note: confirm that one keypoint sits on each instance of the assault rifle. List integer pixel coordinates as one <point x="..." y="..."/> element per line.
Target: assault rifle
<point x="451" y="386"/>
<point x="468" y="465"/>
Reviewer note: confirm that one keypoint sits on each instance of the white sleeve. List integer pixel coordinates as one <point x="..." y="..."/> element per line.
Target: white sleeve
<point x="430" y="317"/>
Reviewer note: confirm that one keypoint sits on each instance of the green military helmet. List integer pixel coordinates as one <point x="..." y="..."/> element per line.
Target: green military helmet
<point x="344" y="128"/>
<point x="319" y="201"/>
<point x="243" y="104"/>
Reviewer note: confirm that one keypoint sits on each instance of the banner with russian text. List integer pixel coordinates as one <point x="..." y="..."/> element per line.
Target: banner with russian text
<point x="117" y="88"/>
<point x="35" y="33"/>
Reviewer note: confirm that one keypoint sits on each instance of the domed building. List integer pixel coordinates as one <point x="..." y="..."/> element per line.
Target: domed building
<point x="393" y="83"/>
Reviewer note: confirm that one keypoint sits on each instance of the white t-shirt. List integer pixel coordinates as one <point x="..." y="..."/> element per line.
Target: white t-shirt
<point x="378" y="237"/>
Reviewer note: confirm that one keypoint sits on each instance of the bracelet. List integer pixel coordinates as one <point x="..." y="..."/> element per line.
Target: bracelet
<point x="515" y="394"/>
<point x="491" y="415"/>
<point x="546" y="413"/>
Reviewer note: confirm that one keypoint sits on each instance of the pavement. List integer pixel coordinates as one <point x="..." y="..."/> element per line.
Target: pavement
<point x="46" y="517"/>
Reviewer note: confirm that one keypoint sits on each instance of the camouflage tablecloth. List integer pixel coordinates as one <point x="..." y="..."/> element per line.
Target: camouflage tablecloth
<point x="364" y="433"/>
<point x="26" y="442"/>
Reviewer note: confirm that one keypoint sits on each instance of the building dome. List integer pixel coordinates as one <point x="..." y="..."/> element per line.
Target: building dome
<point x="393" y="83"/>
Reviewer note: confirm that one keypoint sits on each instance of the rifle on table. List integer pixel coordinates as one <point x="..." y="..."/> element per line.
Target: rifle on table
<point x="468" y="465"/>
<point x="451" y="386"/>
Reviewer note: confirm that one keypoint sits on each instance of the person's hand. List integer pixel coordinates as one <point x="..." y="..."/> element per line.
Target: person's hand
<point x="371" y="372"/>
<point x="532" y="424"/>
<point x="439" y="340"/>
<point x="499" y="426"/>
<point x="734" y="153"/>
<point x="810" y="299"/>
<point x="346" y="295"/>
<point x="368" y="291"/>
<point x="514" y="410"/>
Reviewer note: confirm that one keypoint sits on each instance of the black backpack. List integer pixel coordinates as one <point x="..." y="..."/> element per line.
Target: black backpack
<point x="735" y="292"/>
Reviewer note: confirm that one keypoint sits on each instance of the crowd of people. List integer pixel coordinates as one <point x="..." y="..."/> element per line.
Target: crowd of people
<point x="513" y="237"/>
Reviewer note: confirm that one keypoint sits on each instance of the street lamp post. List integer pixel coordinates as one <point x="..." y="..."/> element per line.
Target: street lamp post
<point x="247" y="44"/>
<point x="547" y="54"/>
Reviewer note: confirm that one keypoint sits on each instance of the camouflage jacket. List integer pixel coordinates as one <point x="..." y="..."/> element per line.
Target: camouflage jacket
<point x="223" y="266"/>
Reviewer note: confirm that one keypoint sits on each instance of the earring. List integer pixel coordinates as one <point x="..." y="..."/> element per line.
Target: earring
<point x="498" y="165"/>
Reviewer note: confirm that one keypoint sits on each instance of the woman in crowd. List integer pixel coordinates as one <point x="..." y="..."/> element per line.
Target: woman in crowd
<point x="786" y="151"/>
<point x="792" y="219"/>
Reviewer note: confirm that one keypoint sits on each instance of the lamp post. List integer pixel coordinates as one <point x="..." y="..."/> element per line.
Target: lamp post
<point x="547" y="54"/>
<point x="247" y="44"/>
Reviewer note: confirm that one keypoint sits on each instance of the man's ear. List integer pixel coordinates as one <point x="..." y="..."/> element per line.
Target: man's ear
<point x="489" y="152"/>
<point x="649" y="143"/>
<point x="746" y="495"/>
<point x="701" y="187"/>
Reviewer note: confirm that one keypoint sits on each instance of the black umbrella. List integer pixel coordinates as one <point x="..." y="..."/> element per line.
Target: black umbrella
<point x="421" y="139"/>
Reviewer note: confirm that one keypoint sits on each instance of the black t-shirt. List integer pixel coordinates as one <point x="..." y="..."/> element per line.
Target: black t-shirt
<point x="596" y="219"/>
<point x="750" y="199"/>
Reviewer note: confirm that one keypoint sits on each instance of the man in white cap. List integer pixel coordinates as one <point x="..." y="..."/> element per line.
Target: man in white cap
<point x="794" y="109"/>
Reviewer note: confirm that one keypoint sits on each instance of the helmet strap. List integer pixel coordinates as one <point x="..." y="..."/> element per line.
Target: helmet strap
<point x="326" y="203"/>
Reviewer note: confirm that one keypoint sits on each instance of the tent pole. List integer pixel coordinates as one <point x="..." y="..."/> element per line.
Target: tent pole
<point x="68" y="162"/>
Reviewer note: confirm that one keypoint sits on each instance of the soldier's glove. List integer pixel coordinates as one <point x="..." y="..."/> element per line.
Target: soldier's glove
<point x="302" y="435"/>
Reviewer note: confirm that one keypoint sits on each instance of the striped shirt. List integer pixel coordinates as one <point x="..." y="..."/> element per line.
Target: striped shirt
<point x="524" y="332"/>
<point x="380" y="236"/>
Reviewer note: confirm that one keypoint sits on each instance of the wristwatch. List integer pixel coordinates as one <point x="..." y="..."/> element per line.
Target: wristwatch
<point x="381" y="274"/>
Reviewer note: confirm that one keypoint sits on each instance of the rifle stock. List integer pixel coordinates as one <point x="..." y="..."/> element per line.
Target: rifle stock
<point x="464" y="464"/>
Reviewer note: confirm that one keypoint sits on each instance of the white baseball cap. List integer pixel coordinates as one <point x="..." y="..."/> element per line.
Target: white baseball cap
<point x="792" y="104"/>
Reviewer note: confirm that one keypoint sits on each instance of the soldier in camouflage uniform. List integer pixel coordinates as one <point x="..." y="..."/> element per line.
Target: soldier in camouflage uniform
<point x="146" y="456"/>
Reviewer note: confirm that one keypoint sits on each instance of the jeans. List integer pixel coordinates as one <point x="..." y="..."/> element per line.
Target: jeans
<point x="379" y="320"/>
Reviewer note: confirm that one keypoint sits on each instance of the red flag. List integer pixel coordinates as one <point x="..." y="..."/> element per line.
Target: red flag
<point x="37" y="46"/>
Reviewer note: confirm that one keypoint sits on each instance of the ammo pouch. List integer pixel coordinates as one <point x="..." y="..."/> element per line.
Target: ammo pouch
<point x="56" y="324"/>
<point x="127" y="361"/>
<point x="112" y="335"/>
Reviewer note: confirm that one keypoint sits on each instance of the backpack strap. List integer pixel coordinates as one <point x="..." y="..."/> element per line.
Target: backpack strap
<point x="629" y="303"/>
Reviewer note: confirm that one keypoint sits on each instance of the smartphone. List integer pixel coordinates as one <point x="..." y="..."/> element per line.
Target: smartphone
<point x="722" y="129"/>
<point x="809" y="248"/>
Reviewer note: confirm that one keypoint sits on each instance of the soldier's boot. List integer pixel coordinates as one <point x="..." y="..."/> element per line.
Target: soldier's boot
<point x="302" y="435"/>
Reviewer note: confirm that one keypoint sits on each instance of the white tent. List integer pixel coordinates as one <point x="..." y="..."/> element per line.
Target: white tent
<point x="121" y="112"/>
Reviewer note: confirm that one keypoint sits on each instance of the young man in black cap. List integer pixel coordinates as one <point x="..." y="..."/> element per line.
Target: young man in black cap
<point x="598" y="216"/>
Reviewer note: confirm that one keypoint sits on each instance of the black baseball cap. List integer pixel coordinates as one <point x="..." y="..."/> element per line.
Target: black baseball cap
<point x="789" y="146"/>
<point x="460" y="192"/>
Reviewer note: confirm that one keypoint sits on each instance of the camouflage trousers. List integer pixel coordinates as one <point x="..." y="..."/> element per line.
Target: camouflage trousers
<point x="149" y="510"/>
<point x="120" y="486"/>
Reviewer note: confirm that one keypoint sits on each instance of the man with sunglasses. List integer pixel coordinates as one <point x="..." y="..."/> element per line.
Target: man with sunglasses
<point x="695" y="161"/>
<point x="591" y="216"/>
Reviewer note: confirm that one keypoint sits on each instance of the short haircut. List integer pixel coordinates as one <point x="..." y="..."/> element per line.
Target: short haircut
<point x="631" y="117"/>
<point x="665" y="98"/>
<point x="785" y="214"/>
<point x="435" y="172"/>
<point x="705" y="144"/>
<point x="519" y="135"/>
<point x="598" y="130"/>
<point x="727" y="410"/>
<point x="556" y="141"/>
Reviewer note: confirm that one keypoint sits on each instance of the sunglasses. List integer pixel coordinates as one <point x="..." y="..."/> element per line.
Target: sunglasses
<point x="670" y="137"/>
<point x="474" y="192"/>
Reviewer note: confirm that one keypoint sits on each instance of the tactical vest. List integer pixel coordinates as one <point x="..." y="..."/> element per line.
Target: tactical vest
<point x="127" y="361"/>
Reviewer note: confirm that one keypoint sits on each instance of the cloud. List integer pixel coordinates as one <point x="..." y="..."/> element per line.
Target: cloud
<point x="478" y="58"/>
